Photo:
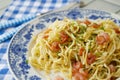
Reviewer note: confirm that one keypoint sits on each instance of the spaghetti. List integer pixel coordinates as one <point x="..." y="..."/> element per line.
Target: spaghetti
<point x="81" y="49"/>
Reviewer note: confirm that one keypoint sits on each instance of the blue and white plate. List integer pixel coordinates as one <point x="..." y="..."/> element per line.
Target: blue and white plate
<point x="18" y="48"/>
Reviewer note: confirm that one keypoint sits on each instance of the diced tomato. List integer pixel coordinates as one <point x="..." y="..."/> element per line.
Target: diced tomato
<point x="74" y="71"/>
<point x="95" y="25"/>
<point x="77" y="65"/>
<point x="87" y="22"/>
<point x="90" y="58"/>
<point x="117" y="30"/>
<point x="79" y="76"/>
<point x="113" y="78"/>
<point x="47" y="31"/>
<point x="106" y="36"/>
<point x="55" y="46"/>
<point x="45" y="36"/>
<point x="84" y="73"/>
<point x="81" y="51"/>
<point x="102" y="38"/>
<point x="112" y="68"/>
<point x="58" y="78"/>
<point x="78" y="21"/>
<point x="64" y="36"/>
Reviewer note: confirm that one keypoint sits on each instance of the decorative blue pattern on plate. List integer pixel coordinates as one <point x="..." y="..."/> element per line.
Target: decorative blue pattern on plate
<point x="19" y="45"/>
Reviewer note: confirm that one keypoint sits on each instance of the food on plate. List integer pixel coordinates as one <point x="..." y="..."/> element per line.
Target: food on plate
<point x="79" y="49"/>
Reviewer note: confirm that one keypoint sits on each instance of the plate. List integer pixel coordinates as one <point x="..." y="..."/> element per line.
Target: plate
<point x="18" y="48"/>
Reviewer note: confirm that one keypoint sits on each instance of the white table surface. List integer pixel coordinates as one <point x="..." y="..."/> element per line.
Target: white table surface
<point x="3" y="5"/>
<point x="111" y="6"/>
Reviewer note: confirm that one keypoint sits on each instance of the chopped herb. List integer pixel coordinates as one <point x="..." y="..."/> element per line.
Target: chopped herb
<point x="26" y="61"/>
<point x="98" y="54"/>
<point x="81" y="39"/>
<point x="102" y="28"/>
<point x="94" y="34"/>
<point x="82" y="29"/>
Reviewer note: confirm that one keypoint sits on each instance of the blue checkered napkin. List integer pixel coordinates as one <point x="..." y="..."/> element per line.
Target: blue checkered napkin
<point x="4" y="70"/>
<point x="19" y="9"/>
<point x="20" y="12"/>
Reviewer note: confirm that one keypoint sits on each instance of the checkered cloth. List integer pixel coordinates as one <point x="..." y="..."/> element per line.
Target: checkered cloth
<point x="18" y="9"/>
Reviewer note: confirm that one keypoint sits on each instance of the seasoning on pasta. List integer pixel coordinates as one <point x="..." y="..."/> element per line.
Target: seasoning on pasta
<point x="79" y="49"/>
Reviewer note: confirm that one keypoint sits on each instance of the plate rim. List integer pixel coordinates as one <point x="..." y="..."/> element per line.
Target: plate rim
<point x="24" y="25"/>
<point x="8" y="48"/>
